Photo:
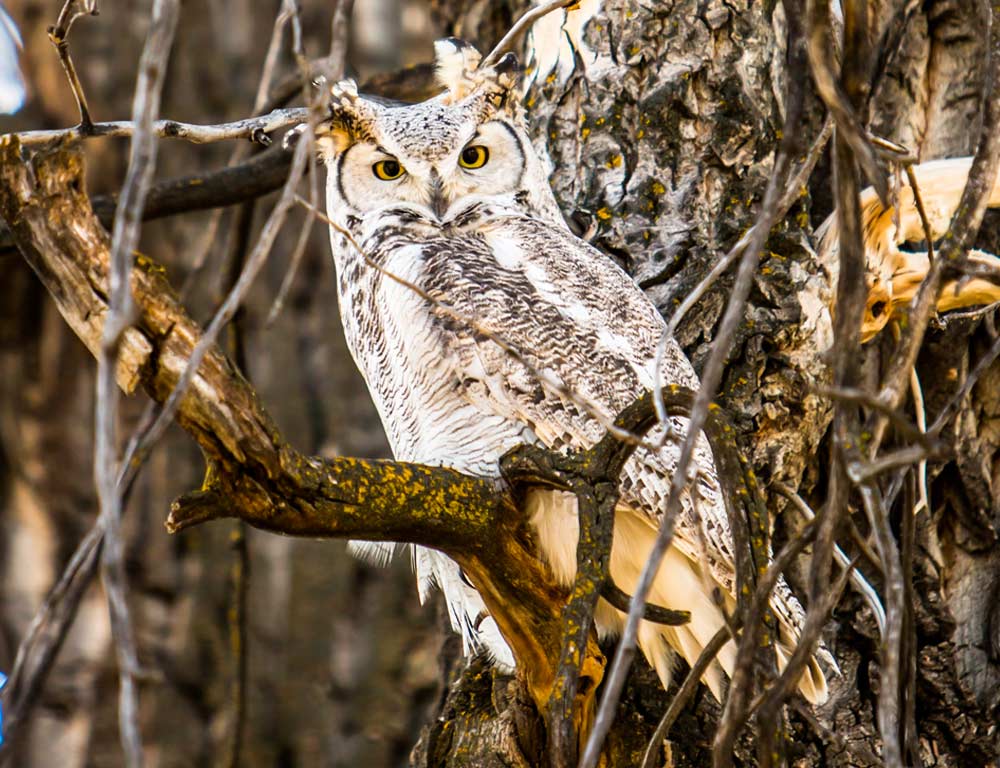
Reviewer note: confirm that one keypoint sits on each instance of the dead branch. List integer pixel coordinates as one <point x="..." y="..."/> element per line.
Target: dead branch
<point x="125" y="237"/>
<point x="254" y="128"/>
<point x="59" y="36"/>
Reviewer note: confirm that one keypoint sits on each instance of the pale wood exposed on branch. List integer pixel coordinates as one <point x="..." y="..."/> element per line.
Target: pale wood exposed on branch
<point x="255" y="128"/>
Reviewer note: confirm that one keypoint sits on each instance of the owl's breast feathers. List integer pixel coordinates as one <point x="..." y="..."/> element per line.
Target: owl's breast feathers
<point x="450" y="393"/>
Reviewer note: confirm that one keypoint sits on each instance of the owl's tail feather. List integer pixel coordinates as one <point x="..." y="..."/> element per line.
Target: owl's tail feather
<point x="681" y="584"/>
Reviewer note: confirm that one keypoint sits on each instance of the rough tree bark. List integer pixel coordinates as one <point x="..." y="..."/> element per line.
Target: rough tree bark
<point x="662" y="134"/>
<point x="662" y="131"/>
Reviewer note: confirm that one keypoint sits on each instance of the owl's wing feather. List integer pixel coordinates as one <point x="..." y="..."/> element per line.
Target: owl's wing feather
<point x="583" y="327"/>
<point x="582" y="322"/>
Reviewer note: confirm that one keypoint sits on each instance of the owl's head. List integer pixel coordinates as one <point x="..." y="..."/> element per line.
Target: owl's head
<point x="440" y="157"/>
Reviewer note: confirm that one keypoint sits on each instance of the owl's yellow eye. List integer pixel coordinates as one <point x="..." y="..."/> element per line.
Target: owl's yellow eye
<point x="474" y="157"/>
<point x="387" y="170"/>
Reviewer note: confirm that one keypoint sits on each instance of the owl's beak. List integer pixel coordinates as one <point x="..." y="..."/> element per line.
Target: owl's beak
<point x="438" y="201"/>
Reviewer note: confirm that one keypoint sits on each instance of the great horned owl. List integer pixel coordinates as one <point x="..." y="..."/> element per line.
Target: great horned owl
<point x="450" y="196"/>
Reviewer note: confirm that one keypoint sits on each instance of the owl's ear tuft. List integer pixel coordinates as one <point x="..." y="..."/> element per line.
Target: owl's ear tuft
<point x="351" y="119"/>
<point x="456" y="67"/>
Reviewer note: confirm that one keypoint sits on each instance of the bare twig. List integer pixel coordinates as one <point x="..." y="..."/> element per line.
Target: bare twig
<point x="145" y="107"/>
<point x="918" y="200"/>
<point x="521" y="26"/>
<point x="59" y="36"/>
<point x="333" y="67"/>
<point x="856" y="396"/>
<point x="240" y="151"/>
<point x="655" y="614"/>
<point x="736" y="708"/>
<point x="287" y="11"/>
<point x="841" y="96"/>
<point x="254" y="128"/>
<point x="45" y="635"/>
<point x="766" y="705"/>
<point x="892" y="638"/>
<point x="239" y="570"/>
<point x="861" y="471"/>
<point x="296" y="259"/>
<point x="861" y="584"/>
<point x="949" y="409"/>
<point x="339" y="40"/>
<point x="838" y="99"/>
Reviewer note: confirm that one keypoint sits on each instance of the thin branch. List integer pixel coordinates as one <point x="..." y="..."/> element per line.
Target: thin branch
<point x="856" y="396"/>
<point x="44" y="636"/>
<point x="684" y="694"/>
<point x="861" y="584"/>
<point x="297" y="254"/>
<point x="656" y="614"/>
<point x="861" y="471"/>
<point x="918" y="200"/>
<point x="142" y="161"/>
<point x="956" y="400"/>
<point x="521" y="26"/>
<point x="711" y="376"/>
<point x="766" y="705"/>
<point x="254" y="128"/>
<point x="59" y="37"/>
<point x="837" y="99"/>
<point x="239" y="569"/>
<point x="892" y="638"/>
<point x="336" y="60"/>
<point x="736" y="706"/>
<point x="332" y="68"/>
<point x="285" y="12"/>
<point x="910" y="648"/>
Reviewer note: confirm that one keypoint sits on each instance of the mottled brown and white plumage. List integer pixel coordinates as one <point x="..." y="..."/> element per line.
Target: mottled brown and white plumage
<point x="450" y="196"/>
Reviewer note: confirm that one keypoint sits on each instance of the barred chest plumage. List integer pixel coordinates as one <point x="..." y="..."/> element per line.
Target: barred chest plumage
<point x="402" y="342"/>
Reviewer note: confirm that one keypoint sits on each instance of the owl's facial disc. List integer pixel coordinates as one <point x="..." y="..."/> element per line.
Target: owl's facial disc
<point x="490" y="162"/>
